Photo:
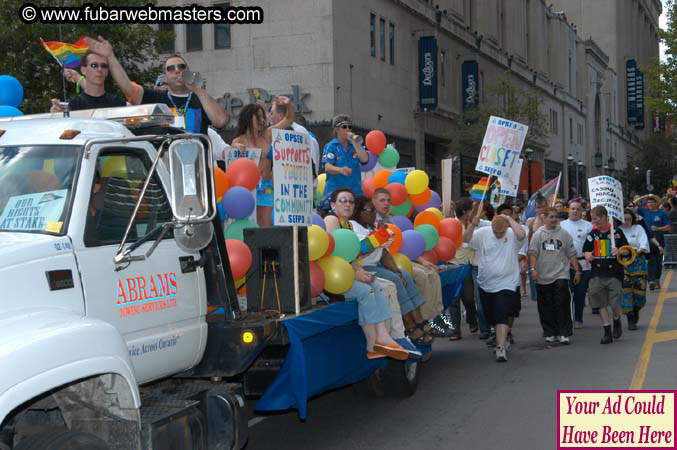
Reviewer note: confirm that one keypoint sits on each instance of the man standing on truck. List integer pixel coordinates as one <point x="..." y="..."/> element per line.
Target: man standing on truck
<point x="193" y="108"/>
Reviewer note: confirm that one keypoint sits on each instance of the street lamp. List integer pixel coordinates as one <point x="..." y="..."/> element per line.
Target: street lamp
<point x="579" y="182"/>
<point x="529" y="154"/>
<point x="598" y="160"/>
<point x="606" y="169"/>
<point x="611" y="164"/>
<point x="572" y="166"/>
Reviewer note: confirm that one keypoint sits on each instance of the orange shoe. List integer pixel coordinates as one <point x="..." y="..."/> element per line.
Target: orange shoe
<point x="392" y="350"/>
<point x="375" y="355"/>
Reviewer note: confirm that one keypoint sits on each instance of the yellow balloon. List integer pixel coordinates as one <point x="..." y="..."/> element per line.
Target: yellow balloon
<point x="403" y="262"/>
<point x="239" y="282"/>
<point x="416" y="182"/>
<point x="436" y="211"/>
<point x="338" y="274"/>
<point x="318" y="242"/>
<point x="321" y="180"/>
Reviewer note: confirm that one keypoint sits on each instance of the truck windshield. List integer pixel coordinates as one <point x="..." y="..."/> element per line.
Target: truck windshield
<point x="36" y="187"/>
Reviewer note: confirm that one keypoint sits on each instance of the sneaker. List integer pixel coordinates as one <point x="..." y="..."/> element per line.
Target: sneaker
<point x="438" y="327"/>
<point x="491" y="342"/>
<point x="485" y="335"/>
<point x="658" y="284"/>
<point x="564" y="340"/>
<point x="507" y="345"/>
<point x="550" y="339"/>
<point x="578" y="325"/>
<point x="501" y="356"/>
<point x="618" y="328"/>
<point x="632" y="326"/>
<point x="607" y="339"/>
<point x="652" y="285"/>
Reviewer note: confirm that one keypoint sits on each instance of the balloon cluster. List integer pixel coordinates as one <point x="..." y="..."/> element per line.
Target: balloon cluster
<point x="11" y="95"/>
<point x="236" y="201"/>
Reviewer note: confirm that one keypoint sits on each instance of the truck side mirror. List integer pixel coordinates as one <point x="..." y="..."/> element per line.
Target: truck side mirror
<point x="188" y="172"/>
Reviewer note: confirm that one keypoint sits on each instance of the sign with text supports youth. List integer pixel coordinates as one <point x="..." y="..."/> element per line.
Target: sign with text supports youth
<point x="608" y="192"/>
<point x="501" y="147"/>
<point x="292" y="178"/>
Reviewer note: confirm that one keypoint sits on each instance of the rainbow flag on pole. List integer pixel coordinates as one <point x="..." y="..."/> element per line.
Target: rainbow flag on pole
<point x="548" y="191"/>
<point x="68" y="55"/>
<point x="479" y="190"/>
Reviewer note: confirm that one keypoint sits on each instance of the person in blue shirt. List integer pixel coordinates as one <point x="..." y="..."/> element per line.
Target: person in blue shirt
<point x="658" y="223"/>
<point x="341" y="160"/>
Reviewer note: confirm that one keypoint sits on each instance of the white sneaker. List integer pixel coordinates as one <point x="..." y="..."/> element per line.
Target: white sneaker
<point x="550" y="339"/>
<point x="501" y="356"/>
<point x="564" y="340"/>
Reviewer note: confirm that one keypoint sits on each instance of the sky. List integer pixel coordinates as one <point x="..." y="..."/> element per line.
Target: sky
<point x="662" y="22"/>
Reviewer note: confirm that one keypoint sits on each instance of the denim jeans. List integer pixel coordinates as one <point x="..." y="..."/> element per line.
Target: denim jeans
<point x="655" y="267"/>
<point x="408" y="296"/>
<point x="484" y="326"/>
<point x="372" y="305"/>
<point x="578" y="293"/>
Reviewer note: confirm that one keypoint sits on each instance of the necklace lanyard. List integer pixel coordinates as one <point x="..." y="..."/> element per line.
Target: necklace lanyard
<point x="180" y="112"/>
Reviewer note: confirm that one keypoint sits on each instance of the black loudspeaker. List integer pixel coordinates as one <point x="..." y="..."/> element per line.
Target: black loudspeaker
<point x="273" y="255"/>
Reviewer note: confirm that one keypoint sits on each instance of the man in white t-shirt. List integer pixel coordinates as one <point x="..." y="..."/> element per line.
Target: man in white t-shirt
<point x="498" y="274"/>
<point x="579" y="230"/>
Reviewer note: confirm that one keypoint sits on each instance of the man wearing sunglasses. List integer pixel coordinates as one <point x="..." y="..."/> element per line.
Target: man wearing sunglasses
<point x="194" y="109"/>
<point x="94" y="69"/>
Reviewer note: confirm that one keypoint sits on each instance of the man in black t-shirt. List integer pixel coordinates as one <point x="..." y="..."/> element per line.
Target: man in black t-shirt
<point x="94" y="68"/>
<point x="194" y="109"/>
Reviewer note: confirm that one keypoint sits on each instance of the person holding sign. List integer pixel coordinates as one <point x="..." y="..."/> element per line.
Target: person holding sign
<point x="606" y="275"/>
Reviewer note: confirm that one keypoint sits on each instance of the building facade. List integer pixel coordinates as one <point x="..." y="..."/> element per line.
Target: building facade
<point x="361" y="57"/>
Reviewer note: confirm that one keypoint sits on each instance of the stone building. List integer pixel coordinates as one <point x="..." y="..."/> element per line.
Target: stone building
<point x="361" y="57"/>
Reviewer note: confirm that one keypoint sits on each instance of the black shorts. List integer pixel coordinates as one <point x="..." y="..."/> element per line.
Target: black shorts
<point x="517" y="303"/>
<point x="498" y="306"/>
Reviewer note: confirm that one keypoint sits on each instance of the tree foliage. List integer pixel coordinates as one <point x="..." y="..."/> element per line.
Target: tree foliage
<point x="661" y="95"/>
<point x="24" y="58"/>
<point x="658" y="154"/>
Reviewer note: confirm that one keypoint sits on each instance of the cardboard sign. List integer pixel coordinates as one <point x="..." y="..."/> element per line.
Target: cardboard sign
<point x="608" y="192"/>
<point x="33" y="212"/>
<point x="231" y="153"/>
<point x="510" y="186"/>
<point x="292" y="178"/>
<point x="501" y="148"/>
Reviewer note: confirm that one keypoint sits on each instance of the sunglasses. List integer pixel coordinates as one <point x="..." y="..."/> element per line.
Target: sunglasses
<point x="103" y="66"/>
<point x="368" y="210"/>
<point x="173" y="67"/>
<point x="347" y="127"/>
<point x="345" y="200"/>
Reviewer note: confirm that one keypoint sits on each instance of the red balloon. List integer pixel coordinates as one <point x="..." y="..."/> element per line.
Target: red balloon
<point x="240" y="257"/>
<point x="316" y="279"/>
<point x="332" y="244"/>
<point x="422" y="198"/>
<point x="376" y="141"/>
<point x="398" y="193"/>
<point x="445" y="249"/>
<point x="451" y="228"/>
<point x="243" y="172"/>
<point x="381" y="178"/>
<point x="430" y="255"/>
<point x="368" y="187"/>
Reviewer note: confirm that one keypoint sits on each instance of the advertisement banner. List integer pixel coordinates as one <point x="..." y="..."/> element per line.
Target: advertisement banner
<point x="501" y="148"/>
<point x="427" y="73"/>
<point x="471" y="91"/>
<point x="631" y="90"/>
<point x="639" y="102"/>
<point x="292" y="178"/>
<point x="608" y="192"/>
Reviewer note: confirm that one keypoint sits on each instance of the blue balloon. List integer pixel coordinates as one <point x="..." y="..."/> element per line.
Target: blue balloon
<point x="366" y="167"/>
<point x="9" y="111"/>
<point x="413" y="244"/>
<point x="11" y="91"/>
<point x="317" y="220"/>
<point x="221" y="210"/>
<point x="402" y="222"/>
<point x="238" y="202"/>
<point x="397" y="177"/>
<point x="434" y="202"/>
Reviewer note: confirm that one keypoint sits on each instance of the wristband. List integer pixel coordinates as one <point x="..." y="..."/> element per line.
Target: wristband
<point x="77" y="83"/>
<point x="136" y="90"/>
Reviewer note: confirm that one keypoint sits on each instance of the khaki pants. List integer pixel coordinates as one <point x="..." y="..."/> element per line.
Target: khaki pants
<point x="394" y="326"/>
<point x="428" y="283"/>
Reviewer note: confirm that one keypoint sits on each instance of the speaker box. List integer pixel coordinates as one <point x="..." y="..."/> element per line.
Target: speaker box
<point x="273" y="248"/>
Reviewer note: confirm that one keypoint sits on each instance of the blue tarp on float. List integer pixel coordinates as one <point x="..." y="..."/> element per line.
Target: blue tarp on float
<point x="327" y="351"/>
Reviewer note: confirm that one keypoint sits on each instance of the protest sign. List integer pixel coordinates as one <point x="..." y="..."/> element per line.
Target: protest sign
<point x="608" y="192"/>
<point x="292" y="178"/>
<point x="232" y="153"/>
<point x="34" y="212"/>
<point x="501" y="148"/>
<point x="509" y="186"/>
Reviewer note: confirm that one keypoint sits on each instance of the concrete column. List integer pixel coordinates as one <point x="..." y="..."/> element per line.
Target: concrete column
<point x="419" y="155"/>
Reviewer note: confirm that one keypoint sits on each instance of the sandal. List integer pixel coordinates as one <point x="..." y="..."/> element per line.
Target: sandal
<point x="418" y="335"/>
<point x="392" y="350"/>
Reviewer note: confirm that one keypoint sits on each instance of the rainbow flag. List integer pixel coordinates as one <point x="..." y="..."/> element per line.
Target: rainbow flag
<point x="478" y="191"/>
<point x="68" y="55"/>
<point x="602" y="248"/>
<point x="549" y="191"/>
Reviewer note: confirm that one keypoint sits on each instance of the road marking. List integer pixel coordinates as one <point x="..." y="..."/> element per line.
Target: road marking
<point x="671" y="295"/>
<point x="651" y="338"/>
<point x="665" y="336"/>
<point x="255" y="421"/>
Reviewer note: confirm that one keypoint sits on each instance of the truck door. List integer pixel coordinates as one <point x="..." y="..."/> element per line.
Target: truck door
<point x="157" y="307"/>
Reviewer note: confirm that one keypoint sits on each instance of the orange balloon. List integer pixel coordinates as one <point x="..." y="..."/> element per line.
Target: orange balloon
<point x="376" y="142"/>
<point x="397" y="242"/>
<point x="243" y="172"/>
<point x="422" y="198"/>
<point x="368" y="187"/>
<point x="451" y="228"/>
<point x="427" y="217"/>
<point x="381" y="178"/>
<point x="398" y="193"/>
<point x="459" y="241"/>
<point x="221" y="183"/>
<point x="445" y="249"/>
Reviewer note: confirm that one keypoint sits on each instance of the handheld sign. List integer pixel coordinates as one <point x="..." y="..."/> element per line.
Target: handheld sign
<point x="510" y="185"/>
<point x="501" y="148"/>
<point x="608" y="192"/>
<point x="292" y="178"/>
<point x="34" y="212"/>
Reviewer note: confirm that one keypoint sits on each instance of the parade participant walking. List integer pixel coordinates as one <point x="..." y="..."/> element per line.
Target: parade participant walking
<point x="635" y="274"/>
<point x="498" y="274"/>
<point x="551" y="251"/>
<point x="658" y="223"/>
<point x="341" y="160"/>
<point x="606" y="273"/>
<point x="94" y="70"/>
<point x="578" y="229"/>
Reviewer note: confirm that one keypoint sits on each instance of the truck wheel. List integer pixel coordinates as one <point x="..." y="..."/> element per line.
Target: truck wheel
<point x="72" y="440"/>
<point x="400" y="378"/>
<point x="371" y="386"/>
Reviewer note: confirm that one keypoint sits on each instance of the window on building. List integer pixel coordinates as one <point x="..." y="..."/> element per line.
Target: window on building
<point x="580" y="134"/>
<point x="382" y="38"/>
<point x="372" y="35"/>
<point x="222" y="31"/>
<point x="553" y="122"/>
<point x="168" y="45"/>
<point x="392" y="42"/>
<point x="571" y="130"/>
<point x="193" y="37"/>
<point x="443" y="70"/>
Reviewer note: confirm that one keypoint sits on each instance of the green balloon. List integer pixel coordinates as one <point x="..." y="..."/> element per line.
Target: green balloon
<point x="430" y="235"/>
<point x="389" y="157"/>
<point x="401" y="210"/>
<point x="347" y="245"/>
<point x="235" y="229"/>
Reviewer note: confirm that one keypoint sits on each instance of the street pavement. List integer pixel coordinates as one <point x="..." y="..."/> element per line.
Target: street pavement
<point x="465" y="400"/>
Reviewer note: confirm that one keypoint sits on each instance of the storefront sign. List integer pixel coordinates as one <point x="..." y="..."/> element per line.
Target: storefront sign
<point x="427" y="73"/>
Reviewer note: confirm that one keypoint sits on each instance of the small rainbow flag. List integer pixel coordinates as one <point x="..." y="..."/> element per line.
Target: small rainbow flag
<point x="602" y="248"/>
<point x="68" y="55"/>
<point x="478" y="191"/>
